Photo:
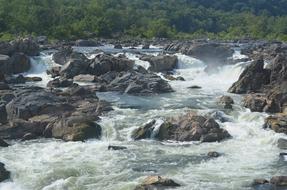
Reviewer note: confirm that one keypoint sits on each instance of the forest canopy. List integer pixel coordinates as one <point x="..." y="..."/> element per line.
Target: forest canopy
<point x="70" y="19"/>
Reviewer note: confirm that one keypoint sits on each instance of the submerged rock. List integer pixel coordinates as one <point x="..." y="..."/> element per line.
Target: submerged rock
<point x="282" y="143"/>
<point x="117" y="147"/>
<point x="190" y="127"/>
<point x="213" y="154"/>
<point x="4" y="174"/>
<point x="157" y="182"/>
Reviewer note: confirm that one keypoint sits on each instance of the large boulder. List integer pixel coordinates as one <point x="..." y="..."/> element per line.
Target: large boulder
<point x="104" y="63"/>
<point x="213" y="53"/>
<point x="77" y="64"/>
<point x="156" y="182"/>
<point x="136" y="83"/>
<point x="28" y="46"/>
<point x="255" y="102"/>
<point x="253" y="78"/>
<point x="161" y="63"/>
<point x="226" y="102"/>
<point x="4" y="174"/>
<point x="6" y="48"/>
<point x="35" y="101"/>
<point x="19" y="63"/>
<point x="190" y="127"/>
<point x="62" y="56"/>
<point x="5" y="64"/>
<point x="76" y="129"/>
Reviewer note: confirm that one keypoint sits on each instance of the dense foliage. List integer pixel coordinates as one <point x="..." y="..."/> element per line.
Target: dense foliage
<point x="144" y="18"/>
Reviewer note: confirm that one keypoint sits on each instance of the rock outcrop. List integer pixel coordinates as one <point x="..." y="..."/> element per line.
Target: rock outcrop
<point x="190" y="127"/>
<point x="161" y="63"/>
<point x="157" y="182"/>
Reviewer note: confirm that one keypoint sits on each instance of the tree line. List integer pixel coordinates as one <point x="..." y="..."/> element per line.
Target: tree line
<point x="71" y="19"/>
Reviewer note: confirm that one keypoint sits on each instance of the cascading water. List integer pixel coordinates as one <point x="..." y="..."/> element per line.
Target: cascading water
<point x="251" y="153"/>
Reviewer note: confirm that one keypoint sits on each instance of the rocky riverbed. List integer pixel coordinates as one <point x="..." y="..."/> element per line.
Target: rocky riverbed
<point x="142" y="115"/>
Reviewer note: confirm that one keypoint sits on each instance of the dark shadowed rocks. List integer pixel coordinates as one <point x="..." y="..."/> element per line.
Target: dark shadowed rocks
<point x="252" y="79"/>
<point x="3" y="143"/>
<point x="4" y="174"/>
<point x="190" y="127"/>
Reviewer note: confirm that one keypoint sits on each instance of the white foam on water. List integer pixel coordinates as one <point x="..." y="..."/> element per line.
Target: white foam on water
<point x="250" y="153"/>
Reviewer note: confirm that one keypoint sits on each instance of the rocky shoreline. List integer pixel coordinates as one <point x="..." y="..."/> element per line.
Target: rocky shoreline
<point x="68" y="111"/>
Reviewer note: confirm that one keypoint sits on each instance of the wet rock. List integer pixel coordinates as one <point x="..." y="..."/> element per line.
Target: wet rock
<point x="282" y="143"/>
<point x="255" y="102"/>
<point x="117" y="147"/>
<point x="279" y="180"/>
<point x="4" y="174"/>
<point x="85" y="78"/>
<point x="172" y="78"/>
<point x="226" y="102"/>
<point x="195" y="87"/>
<point x="87" y="43"/>
<point x="252" y="79"/>
<point x="189" y="127"/>
<point x="157" y="182"/>
<point x="63" y="55"/>
<point x="118" y="46"/>
<point x="278" y="123"/>
<point x="3" y="143"/>
<point x="18" y="128"/>
<point x="54" y="71"/>
<point x="260" y="182"/>
<point x="28" y="136"/>
<point x="5" y="48"/>
<point x="76" y="129"/>
<point x="60" y="83"/>
<point x="213" y="154"/>
<point x="104" y="63"/>
<point x="33" y="79"/>
<point x="161" y="63"/>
